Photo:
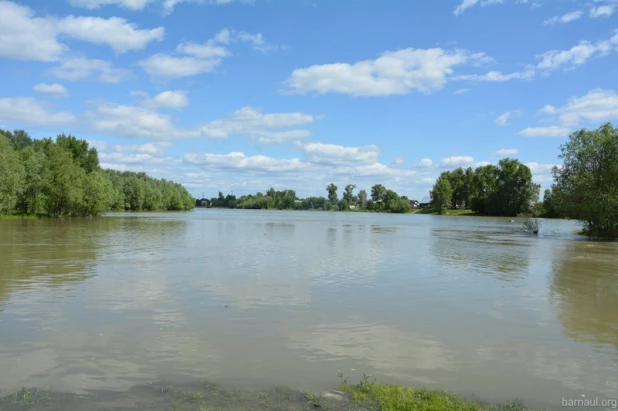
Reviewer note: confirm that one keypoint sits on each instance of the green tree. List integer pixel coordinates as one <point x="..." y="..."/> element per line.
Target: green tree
<point x="348" y="194"/>
<point x="11" y="175"/>
<point x="332" y="193"/>
<point x="63" y="184"/>
<point x="85" y="157"/>
<point x="551" y="206"/>
<point x="98" y="194"/>
<point x="378" y="191"/>
<point x="30" y="200"/>
<point x="362" y="197"/>
<point x="484" y="181"/>
<point x="441" y="194"/>
<point x="514" y="191"/>
<point x="587" y="185"/>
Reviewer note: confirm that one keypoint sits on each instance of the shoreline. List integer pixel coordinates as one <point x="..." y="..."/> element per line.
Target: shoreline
<point x="210" y="396"/>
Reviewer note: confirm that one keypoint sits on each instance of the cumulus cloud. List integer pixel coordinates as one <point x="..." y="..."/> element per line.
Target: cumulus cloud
<point x="128" y="4"/>
<point x="168" y="5"/>
<point x="79" y="68"/>
<point x="54" y="89"/>
<point x="190" y="58"/>
<point x="456" y="161"/>
<point x="503" y="119"/>
<point x="29" y="111"/>
<point x="498" y="76"/>
<point x="27" y="37"/>
<point x="425" y="162"/>
<point x="577" y="55"/>
<point x="505" y="152"/>
<point x="597" y="106"/>
<point x="240" y="160"/>
<point x="146" y="122"/>
<point x="169" y="99"/>
<point x="565" y="18"/>
<point x="605" y="10"/>
<point x="321" y="153"/>
<point x="394" y="72"/>
<point x="153" y="149"/>
<point x="550" y="131"/>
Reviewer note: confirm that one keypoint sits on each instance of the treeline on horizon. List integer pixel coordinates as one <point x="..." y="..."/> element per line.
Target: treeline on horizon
<point x="585" y="186"/>
<point x="63" y="177"/>
<point x="380" y="199"/>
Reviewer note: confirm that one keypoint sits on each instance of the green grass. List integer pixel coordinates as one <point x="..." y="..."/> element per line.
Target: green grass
<point x="384" y="397"/>
<point x="23" y="216"/>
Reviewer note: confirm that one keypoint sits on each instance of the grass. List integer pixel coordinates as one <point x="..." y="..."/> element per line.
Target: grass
<point x="384" y="397"/>
<point x="26" y="397"/>
<point x="23" y="216"/>
<point x="461" y="212"/>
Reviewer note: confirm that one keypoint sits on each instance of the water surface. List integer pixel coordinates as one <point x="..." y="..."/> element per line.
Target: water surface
<point x="255" y="299"/>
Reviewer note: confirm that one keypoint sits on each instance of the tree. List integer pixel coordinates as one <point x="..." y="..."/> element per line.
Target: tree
<point x="378" y="191"/>
<point x="98" y="194"/>
<point x="514" y="191"/>
<point x="63" y="184"/>
<point x="85" y="157"/>
<point x="441" y="194"/>
<point x="586" y="185"/>
<point x="362" y="197"/>
<point x="483" y="185"/>
<point x="11" y="175"/>
<point x="348" y="194"/>
<point x="332" y="193"/>
<point x="551" y="206"/>
<point x="34" y="166"/>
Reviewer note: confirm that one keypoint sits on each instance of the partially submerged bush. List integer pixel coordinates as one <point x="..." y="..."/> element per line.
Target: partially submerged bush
<point x="531" y="225"/>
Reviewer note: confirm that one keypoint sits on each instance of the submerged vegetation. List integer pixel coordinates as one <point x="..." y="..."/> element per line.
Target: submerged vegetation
<point x="63" y="177"/>
<point x="208" y="396"/>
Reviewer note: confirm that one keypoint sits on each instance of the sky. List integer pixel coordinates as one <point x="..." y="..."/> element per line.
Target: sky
<point x="242" y="95"/>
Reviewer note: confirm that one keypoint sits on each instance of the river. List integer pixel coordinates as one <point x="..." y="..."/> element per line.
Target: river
<point x="253" y="299"/>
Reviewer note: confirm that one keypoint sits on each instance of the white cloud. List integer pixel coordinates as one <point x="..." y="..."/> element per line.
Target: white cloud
<point x="191" y="58"/>
<point x="29" y="111"/>
<point x="576" y="55"/>
<point x="240" y="160"/>
<point x="539" y="168"/>
<point x="467" y="4"/>
<point x="481" y="164"/>
<point x="168" y="5"/>
<point x="456" y="161"/>
<point x="425" y="162"/>
<point x="115" y="32"/>
<point x="461" y="91"/>
<point x="169" y="99"/>
<point x="503" y="119"/>
<point x="398" y="161"/>
<point x="54" y="89"/>
<point x="602" y="11"/>
<point x="398" y="72"/>
<point x="321" y="153"/>
<point x="551" y="131"/>
<point x="153" y="149"/>
<point x="93" y="4"/>
<point x="250" y="121"/>
<point x="169" y="66"/>
<point x="498" y="76"/>
<point x="505" y="152"/>
<point x="596" y="106"/>
<point x="565" y="18"/>
<point x="280" y="137"/>
<point x="25" y="37"/>
<point x="134" y="121"/>
<point x="78" y="68"/>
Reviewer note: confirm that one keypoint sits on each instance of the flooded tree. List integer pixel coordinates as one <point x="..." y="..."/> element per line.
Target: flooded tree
<point x="586" y="186"/>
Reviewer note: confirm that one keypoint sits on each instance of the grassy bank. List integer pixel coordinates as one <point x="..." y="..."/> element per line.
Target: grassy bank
<point x="209" y="396"/>
<point x="24" y="216"/>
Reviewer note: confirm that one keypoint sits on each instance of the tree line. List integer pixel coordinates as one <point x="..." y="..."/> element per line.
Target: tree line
<point x="585" y="186"/>
<point x="380" y="199"/>
<point x="62" y="176"/>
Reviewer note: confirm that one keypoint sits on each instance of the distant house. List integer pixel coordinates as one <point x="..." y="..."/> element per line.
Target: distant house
<point x="424" y="203"/>
<point x="202" y="202"/>
<point x="352" y="207"/>
<point x="414" y="203"/>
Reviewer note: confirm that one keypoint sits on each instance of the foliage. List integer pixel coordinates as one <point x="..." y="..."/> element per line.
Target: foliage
<point x="332" y="193"/>
<point x="505" y="189"/>
<point x="586" y="186"/>
<point x="362" y="197"/>
<point x="11" y="175"/>
<point x="63" y="177"/>
<point x="387" y="397"/>
<point x="442" y="194"/>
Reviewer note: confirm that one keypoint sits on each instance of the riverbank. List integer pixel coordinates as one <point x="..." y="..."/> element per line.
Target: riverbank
<point x="209" y="396"/>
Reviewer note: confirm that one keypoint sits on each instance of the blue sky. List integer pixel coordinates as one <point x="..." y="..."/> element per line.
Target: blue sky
<point x="239" y="96"/>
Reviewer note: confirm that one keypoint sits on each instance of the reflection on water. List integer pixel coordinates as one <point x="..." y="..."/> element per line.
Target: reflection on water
<point x="584" y="287"/>
<point x="254" y="298"/>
